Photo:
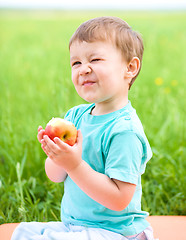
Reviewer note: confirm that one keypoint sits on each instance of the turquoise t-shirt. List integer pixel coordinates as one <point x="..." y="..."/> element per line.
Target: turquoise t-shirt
<point x="113" y="144"/>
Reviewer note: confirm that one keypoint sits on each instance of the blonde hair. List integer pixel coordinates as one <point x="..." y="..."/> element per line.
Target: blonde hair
<point x="128" y="41"/>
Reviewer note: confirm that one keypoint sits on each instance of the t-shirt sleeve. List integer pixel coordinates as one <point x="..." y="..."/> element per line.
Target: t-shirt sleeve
<point x="74" y="114"/>
<point x="69" y="115"/>
<point x="123" y="161"/>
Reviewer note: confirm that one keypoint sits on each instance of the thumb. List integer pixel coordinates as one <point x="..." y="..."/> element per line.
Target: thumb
<point x="79" y="137"/>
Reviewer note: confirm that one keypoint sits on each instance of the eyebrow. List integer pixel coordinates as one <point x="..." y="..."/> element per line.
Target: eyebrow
<point x="91" y="55"/>
<point x="73" y="58"/>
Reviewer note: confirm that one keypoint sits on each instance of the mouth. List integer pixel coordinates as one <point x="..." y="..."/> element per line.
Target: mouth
<point x="88" y="83"/>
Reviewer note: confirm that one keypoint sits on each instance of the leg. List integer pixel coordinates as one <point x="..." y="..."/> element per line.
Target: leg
<point x="168" y="227"/>
<point x="6" y="230"/>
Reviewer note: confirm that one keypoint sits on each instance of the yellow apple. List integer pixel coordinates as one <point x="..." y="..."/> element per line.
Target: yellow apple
<point x="63" y="129"/>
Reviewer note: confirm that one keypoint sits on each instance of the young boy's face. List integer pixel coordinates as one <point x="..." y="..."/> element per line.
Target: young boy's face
<point x="99" y="72"/>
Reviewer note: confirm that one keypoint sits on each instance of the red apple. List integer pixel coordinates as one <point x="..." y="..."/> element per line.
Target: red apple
<point x="63" y="129"/>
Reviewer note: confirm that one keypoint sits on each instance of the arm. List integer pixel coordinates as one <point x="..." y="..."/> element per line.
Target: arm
<point x="111" y="193"/>
<point x="54" y="172"/>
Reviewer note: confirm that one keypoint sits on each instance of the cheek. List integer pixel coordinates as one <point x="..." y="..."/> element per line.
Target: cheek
<point x="105" y="73"/>
<point x="74" y="77"/>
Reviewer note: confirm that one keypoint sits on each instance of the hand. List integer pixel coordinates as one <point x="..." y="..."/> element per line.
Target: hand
<point x="40" y="134"/>
<point x="54" y="172"/>
<point x="67" y="157"/>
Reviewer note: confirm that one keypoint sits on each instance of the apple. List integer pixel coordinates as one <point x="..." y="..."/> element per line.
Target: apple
<point x="63" y="129"/>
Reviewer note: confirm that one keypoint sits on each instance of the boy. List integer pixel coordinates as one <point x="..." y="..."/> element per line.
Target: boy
<point x="102" y="171"/>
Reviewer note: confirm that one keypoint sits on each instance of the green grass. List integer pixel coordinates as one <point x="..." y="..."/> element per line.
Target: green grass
<point x="35" y="85"/>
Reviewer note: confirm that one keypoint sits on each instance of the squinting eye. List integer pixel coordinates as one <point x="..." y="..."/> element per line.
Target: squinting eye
<point x="95" y="60"/>
<point x="76" y="63"/>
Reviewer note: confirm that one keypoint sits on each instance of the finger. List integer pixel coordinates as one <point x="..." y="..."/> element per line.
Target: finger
<point x="40" y="135"/>
<point x="44" y="149"/>
<point x="43" y="146"/>
<point x="50" y="154"/>
<point x="62" y="145"/>
<point x="79" y="137"/>
<point x="47" y="149"/>
<point x="39" y="128"/>
<point x="51" y="146"/>
<point x="43" y="143"/>
<point x="48" y="141"/>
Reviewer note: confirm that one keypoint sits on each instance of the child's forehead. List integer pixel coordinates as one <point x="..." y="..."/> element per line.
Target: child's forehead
<point x="94" y="45"/>
<point x="93" y="48"/>
<point x="89" y="50"/>
<point x="100" y="35"/>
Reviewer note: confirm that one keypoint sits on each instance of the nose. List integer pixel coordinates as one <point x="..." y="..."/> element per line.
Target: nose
<point x="84" y="69"/>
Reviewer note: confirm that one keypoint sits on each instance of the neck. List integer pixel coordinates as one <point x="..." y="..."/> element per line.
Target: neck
<point x="108" y="107"/>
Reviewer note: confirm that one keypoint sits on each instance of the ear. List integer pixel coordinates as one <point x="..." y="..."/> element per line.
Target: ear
<point x="132" y="68"/>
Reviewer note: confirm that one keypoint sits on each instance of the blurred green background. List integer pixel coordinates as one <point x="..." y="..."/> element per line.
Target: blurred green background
<point x="35" y="85"/>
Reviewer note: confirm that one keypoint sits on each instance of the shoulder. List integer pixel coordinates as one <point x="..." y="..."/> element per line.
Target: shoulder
<point x="77" y="111"/>
<point x="129" y="126"/>
<point x="127" y="129"/>
<point x="127" y="121"/>
<point x="122" y="129"/>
